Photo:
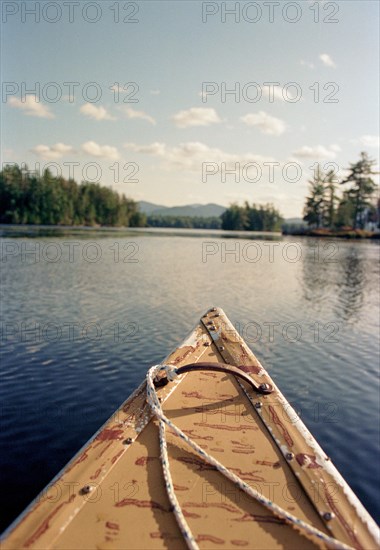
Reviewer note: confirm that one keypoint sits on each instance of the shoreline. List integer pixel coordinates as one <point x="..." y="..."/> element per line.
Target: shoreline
<point x="357" y="234"/>
<point x="344" y="234"/>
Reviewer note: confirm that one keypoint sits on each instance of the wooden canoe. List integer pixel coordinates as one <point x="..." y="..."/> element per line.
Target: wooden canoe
<point x="113" y="494"/>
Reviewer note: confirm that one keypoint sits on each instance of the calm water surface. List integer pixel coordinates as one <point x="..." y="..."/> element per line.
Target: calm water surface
<point x="84" y="314"/>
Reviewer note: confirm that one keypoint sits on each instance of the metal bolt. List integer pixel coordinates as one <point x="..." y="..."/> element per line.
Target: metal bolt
<point x="264" y="387"/>
<point x="258" y="405"/>
<point x="289" y="456"/>
<point x="206" y="344"/>
<point x="328" y="516"/>
<point x="128" y="441"/>
<point x="86" y="489"/>
<point x="221" y="348"/>
<point x="212" y="327"/>
<point x="217" y="315"/>
<point x="213" y="309"/>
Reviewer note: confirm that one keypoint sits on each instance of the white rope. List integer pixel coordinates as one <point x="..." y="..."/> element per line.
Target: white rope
<point x="155" y="405"/>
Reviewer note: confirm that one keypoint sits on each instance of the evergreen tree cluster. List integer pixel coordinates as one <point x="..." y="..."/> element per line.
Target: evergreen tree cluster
<point x="185" y="222"/>
<point x="252" y="218"/>
<point x="27" y="198"/>
<point x="324" y="208"/>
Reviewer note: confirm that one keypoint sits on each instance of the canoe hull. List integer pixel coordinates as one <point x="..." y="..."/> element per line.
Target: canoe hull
<point x="112" y="494"/>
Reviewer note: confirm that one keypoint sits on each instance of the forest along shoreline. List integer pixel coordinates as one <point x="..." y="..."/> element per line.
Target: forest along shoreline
<point x="343" y="234"/>
<point x="31" y="199"/>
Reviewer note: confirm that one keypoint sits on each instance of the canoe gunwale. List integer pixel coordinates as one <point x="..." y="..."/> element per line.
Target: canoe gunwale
<point x="195" y="339"/>
<point x="218" y="325"/>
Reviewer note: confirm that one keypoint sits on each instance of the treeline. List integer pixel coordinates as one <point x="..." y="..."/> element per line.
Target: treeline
<point x="353" y="208"/>
<point x="30" y="198"/>
<point x="27" y="198"/>
<point x="185" y="222"/>
<point x="252" y="218"/>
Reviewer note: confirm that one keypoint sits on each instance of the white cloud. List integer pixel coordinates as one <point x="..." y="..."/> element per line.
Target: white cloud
<point x="96" y="112"/>
<point x="69" y="98"/>
<point x="119" y="89"/>
<point x="272" y="92"/>
<point x="116" y="88"/>
<point x="191" y="155"/>
<point x="317" y="152"/>
<point x="52" y="152"/>
<point x="31" y="107"/>
<point x="335" y="147"/>
<point x="196" y="116"/>
<point x="307" y="64"/>
<point x="267" y="124"/>
<point x="156" y="148"/>
<point x="327" y="60"/>
<point x="102" y="151"/>
<point x="368" y="141"/>
<point x="131" y="113"/>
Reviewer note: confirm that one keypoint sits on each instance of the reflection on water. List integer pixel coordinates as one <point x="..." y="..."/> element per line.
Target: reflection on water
<point x="318" y="275"/>
<point x="80" y="330"/>
<point x="354" y="282"/>
<point x="340" y="278"/>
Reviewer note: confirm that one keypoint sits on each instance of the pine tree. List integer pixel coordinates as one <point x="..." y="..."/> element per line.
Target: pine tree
<point x="345" y="211"/>
<point x="235" y="218"/>
<point x="330" y="199"/>
<point x="314" y="210"/>
<point x="362" y="189"/>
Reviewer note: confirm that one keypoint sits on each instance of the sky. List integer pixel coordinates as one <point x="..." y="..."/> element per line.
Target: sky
<point x="182" y="102"/>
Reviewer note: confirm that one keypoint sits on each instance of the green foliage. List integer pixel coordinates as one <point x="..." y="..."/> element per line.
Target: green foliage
<point x="324" y="209"/>
<point x="320" y="207"/>
<point x="331" y="199"/>
<point x="363" y="187"/>
<point x="252" y="218"/>
<point x="47" y="200"/>
<point x="189" y="222"/>
<point x="235" y="218"/>
<point x="345" y="212"/>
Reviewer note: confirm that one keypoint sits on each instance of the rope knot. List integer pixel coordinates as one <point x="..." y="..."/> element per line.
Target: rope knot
<point x="171" y="372"/>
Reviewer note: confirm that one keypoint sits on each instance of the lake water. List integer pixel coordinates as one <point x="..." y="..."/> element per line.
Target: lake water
<point x="85" y="313"/>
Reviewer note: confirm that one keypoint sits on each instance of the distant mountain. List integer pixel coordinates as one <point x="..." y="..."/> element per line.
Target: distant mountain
<point x="193" y="210"/>
<point x="149" y="207"/>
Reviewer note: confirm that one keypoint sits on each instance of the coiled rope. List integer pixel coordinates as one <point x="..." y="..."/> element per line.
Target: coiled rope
<point x="153" y="401"/>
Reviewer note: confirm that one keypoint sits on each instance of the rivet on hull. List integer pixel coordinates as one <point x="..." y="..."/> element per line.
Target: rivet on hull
<point x="86" y="490"/>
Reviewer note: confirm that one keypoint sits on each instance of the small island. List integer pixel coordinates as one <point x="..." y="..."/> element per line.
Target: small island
<point x="354" y="214"/>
